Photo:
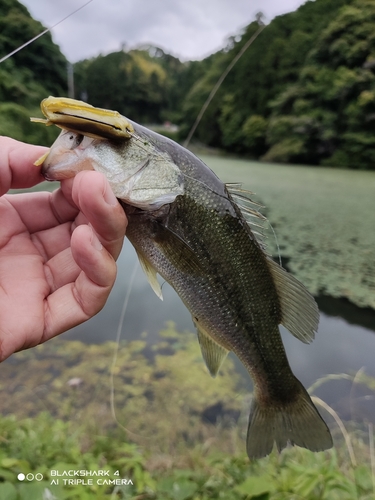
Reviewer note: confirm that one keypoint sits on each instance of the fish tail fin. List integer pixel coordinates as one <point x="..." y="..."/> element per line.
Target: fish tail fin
<point x="296" y="423"/>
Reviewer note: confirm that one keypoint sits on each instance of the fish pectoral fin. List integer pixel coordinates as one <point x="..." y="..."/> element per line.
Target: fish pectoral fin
<point x="150" y="272"/>
<point x="178" y="251"/>
<point x="300" y="313"/>
<point x="212" y="352"/>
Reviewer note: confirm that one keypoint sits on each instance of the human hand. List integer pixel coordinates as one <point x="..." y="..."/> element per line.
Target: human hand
<point x="57" y="250"/>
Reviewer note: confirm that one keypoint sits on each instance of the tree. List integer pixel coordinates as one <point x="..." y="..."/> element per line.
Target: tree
<point x="28" y="76"/>
<point x="265" y="70"/>
<point x="133" y="83"/>
<point x="328" y="116"/>
<point x="34" y="72"/>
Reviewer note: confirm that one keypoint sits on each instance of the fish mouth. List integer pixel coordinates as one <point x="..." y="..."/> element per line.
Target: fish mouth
<point x="47" y="177"/>
<point x="48" y="173"/>
<point x="51" y="173"/>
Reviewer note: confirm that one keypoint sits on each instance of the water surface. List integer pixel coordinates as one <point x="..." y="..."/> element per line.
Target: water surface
<point x="339" y="347"/>
<point x="345" y="342"/>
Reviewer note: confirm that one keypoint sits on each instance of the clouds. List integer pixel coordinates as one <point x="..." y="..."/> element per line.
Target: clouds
<point x="189" y="30"/>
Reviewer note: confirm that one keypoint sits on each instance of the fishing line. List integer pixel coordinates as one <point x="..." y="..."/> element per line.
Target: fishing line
<point x="220" y="81"/>
<point x="277" y="243"/>
<point x="115" y="354"/>
<point x="156" y="156"/>
<point x="241" y="193"/>
<point x="42" y="33"/>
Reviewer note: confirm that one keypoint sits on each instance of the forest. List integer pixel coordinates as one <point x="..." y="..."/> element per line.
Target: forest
<point x="303" y="92"/>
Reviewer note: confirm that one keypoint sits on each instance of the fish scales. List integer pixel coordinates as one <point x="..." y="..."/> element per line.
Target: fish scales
<point x="185" y="226"/>
<point x="232" y="294"/>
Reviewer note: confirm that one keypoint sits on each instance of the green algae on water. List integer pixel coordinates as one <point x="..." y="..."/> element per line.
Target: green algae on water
<point x="324" y="219"/>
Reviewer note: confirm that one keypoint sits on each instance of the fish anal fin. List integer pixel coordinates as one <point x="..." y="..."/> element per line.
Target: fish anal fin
<point x="300" y="313"/>
<point x="297" y="423"/>
<point x="212" y="352"/>
<point x="150" y="272"/>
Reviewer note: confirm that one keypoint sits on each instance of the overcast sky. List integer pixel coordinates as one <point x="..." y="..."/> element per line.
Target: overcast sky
<point x="189" y="29"/>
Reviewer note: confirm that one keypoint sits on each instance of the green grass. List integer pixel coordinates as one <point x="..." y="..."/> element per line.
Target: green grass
<point x="160" y="437"/>
<point x="60" y="446"/>
<point x="324" y="219"/>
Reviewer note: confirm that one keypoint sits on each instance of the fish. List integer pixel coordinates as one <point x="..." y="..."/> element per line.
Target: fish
<point x="199" y="235"/>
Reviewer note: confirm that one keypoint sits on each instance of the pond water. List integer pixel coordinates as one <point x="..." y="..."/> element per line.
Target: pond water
<point x="339" y="347"/>
<point x="345" y="342"/>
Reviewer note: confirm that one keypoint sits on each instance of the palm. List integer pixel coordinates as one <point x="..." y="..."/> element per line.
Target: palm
<point x="51" y="276"/>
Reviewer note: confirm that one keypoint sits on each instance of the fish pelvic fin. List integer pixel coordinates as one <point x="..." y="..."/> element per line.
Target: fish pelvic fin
<point x="150" y="273"/>
<point x="212" y="352"/>
<point x="297" y="423"/>
<point x="300" y="313"/>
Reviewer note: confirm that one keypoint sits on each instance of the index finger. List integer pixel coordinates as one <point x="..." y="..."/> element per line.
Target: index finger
<point x="17" y="169"/>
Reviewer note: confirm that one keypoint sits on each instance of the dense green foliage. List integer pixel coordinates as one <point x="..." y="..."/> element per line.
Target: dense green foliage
<point x="303" y="92"/>
<point x="29" y="75"/>
<point x="270" y="65"/>
<point x="45" y="444"/>
<point x="147" y="85"/>
<point x="170" y="449"/>
<point x="327" y="115"/>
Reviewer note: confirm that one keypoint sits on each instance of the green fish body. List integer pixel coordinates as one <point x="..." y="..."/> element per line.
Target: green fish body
<point x="187" y="226"/>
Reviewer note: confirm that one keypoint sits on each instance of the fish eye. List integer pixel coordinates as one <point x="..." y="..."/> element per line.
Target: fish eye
<point x="69" y="139"/>
<point x="81" y="141"/>
<point x="72" y="140"/>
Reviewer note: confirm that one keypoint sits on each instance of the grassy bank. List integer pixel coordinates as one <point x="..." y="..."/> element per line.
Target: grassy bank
<point x="44" y="445"/>
<point x="174" y="433"/>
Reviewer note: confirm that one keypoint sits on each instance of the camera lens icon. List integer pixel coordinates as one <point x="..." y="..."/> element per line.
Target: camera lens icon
<point x="30" y="476"/>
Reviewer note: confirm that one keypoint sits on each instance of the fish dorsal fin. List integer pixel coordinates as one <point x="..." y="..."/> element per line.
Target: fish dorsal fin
<point x="150" y="272"/>
<point x="249" y="210"/>
<point x="212" y="352"/>
<point x="300" y="313"/>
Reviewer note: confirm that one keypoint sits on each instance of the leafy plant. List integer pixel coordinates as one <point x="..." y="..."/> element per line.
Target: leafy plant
<point x="168" y="451"/>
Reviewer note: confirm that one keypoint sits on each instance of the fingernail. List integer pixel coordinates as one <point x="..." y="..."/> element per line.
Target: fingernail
<point x="95" y="242"/>
<point x="109" y="197"/>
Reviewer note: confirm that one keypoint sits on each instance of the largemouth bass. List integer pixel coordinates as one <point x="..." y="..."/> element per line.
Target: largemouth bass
<point x="188" y="227"/>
